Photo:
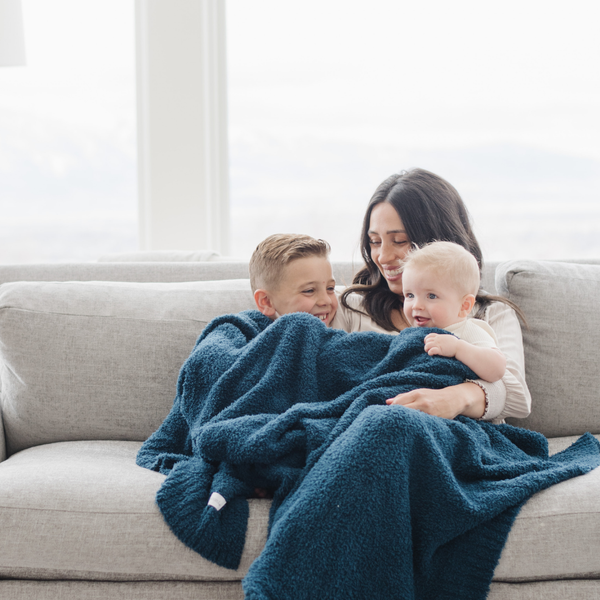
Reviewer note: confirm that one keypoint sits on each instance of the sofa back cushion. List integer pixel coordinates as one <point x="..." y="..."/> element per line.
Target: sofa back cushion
<point x="148" y="271"/>
<point x="99" y="360"/>
<point x="560" y="302"/>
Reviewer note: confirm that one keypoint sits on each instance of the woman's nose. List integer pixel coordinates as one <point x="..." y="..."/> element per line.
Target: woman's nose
<point x="387" y="253"/>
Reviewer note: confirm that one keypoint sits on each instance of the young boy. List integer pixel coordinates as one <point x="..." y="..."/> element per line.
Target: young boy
<point x="440" y="282"/>
<point x="292" y="273"/>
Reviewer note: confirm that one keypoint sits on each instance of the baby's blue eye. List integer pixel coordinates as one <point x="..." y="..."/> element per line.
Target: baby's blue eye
<point x="409" y="295"/>
<point x="431" y="296"/>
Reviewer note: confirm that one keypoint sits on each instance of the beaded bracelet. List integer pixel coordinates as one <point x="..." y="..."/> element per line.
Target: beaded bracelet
<point x="487" y="398"/>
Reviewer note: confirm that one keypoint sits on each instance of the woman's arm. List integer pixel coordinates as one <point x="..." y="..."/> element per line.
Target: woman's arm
<point x="466" y="399"/>
<point x="508" y="397"/>
<point x="514" y="400"/>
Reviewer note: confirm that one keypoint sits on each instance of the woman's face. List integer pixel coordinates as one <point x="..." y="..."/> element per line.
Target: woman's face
<point x="389" y="243"/>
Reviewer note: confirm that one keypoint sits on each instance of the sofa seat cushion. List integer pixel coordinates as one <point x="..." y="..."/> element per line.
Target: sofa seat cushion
<point x="85" y="510"/>
<point x="557" y="532"/>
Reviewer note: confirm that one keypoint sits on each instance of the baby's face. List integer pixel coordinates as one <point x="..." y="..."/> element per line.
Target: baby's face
<point x="431" y="300"/>
<point x="307" y="286"/>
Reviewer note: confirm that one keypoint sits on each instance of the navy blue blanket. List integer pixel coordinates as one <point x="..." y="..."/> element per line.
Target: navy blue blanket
<point x="370" y="501"/>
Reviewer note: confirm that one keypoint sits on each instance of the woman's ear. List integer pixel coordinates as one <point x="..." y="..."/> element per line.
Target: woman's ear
<point x="467" y="306"/>
<point x="264" y="303"/>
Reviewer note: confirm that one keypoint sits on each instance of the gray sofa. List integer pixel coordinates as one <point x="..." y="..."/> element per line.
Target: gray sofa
<point x="89" y="358"/>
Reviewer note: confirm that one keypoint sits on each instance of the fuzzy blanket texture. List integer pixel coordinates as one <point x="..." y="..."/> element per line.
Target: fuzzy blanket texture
<point x="370" y="501"/>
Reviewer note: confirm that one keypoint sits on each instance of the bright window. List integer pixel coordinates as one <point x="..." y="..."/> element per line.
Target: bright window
<point x="67" y="135"/>
<point x="327" y="98"/>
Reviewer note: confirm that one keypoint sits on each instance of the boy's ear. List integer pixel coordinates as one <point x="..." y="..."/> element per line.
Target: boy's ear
<point x="264" y="304"/>
<point x="467" y="306"/>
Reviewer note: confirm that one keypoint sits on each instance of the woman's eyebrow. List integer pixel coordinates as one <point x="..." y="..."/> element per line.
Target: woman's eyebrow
<point x="389" y="231"/>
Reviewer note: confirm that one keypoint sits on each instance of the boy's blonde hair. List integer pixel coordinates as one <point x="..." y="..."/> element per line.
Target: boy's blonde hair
<point x="448" y="260"/>
<point x="273" y="254"/>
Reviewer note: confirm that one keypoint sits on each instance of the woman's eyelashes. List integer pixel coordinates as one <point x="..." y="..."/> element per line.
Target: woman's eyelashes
<point x="396" y="242"/>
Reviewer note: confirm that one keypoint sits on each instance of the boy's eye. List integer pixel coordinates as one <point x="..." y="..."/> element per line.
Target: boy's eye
<point x="308" y="291"/>
<point x="331" y="289"/>
<point x="431" y="296"/>
<point x="409" y="295"/>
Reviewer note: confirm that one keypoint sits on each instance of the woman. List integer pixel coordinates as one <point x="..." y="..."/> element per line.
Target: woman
<point x="418" y="207"/>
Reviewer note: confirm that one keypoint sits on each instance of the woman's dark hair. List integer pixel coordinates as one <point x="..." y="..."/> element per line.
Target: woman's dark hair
<point x="431" y="210"/>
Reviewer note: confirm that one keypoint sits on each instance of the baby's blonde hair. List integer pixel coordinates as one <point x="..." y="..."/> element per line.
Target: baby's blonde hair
<point x="273" y="255"/>
<point x="448" y="260"/>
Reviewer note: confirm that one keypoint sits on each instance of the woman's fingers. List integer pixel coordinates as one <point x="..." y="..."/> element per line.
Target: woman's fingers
<point x="432" y="402"/>
<point x="463" y="399"/>
<point x="419" y="399"/>
<point x="401" y="398"/>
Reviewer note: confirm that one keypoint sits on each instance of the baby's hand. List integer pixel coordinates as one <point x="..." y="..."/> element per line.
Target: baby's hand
<point x="441" y="343"/>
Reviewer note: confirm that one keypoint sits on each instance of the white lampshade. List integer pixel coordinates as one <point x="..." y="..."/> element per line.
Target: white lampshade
<point x="12" y="39"/>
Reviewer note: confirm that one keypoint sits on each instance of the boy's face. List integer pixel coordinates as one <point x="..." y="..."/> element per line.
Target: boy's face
<point x="307" y="286"/>
<point x="431" y="300"/>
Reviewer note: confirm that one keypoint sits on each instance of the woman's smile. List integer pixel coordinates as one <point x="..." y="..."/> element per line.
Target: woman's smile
<point x="389" y="244"/>
<point x="392" y="273"/>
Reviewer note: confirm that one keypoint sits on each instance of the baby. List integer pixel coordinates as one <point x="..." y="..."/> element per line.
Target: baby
<point x="292" y="273"/>
<point x="440" y="282"/>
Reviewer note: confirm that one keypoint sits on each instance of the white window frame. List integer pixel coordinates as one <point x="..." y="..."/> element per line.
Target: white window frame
<point x="183" y="170"/>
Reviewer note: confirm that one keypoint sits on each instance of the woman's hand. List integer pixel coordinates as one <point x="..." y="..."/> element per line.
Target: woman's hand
<point x="466" y="399"/>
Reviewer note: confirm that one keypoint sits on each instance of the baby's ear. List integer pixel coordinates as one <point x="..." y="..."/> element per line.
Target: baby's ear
<point x="467" y="306"/>
<point x="264" y="304"/>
